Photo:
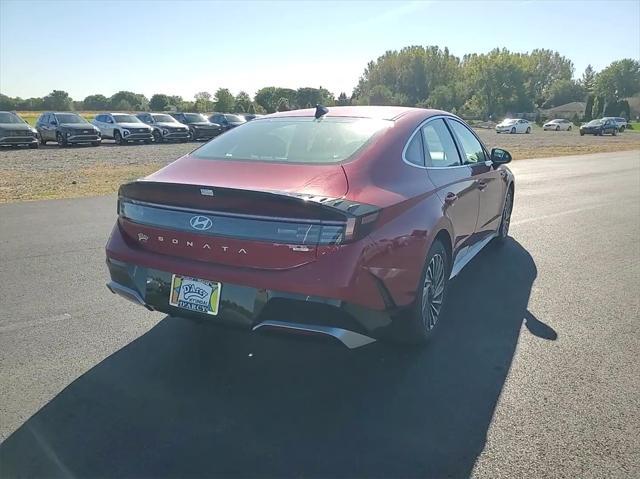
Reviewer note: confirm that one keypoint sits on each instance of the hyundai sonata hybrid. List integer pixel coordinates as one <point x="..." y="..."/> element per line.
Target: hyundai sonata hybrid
<point x="363" y="213"/>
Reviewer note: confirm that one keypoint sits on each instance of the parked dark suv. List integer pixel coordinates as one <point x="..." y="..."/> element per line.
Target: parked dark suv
<point x="165" y="127"/>
<point x="15" y="131"/>
<point x="226" y="120"/>
<point x="199" y="127"/>
<point x="66" y="128"/>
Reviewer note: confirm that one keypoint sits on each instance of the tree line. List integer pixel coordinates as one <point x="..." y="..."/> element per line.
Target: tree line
<point x="487" y="85"/>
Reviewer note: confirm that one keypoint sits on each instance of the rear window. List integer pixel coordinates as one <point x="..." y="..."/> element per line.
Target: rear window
<point x="295" y="140"/>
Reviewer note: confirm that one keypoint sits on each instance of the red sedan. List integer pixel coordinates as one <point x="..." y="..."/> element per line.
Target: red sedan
<point x="363" y="212"/>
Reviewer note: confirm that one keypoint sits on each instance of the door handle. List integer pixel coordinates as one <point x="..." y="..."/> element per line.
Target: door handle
<point x="450" y="198"/>
<point x="482" y="185"/>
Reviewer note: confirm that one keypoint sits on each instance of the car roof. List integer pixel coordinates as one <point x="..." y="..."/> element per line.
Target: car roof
<point x="373" y="112"/>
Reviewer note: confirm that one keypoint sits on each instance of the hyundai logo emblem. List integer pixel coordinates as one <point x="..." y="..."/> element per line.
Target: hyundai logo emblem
<point x="200" y="223"/>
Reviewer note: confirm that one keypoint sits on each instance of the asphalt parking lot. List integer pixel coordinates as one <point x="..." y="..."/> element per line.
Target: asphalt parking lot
<point x="534" y="372"/>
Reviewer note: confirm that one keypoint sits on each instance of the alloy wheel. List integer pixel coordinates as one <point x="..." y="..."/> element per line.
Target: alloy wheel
<point x="433" y="291"/>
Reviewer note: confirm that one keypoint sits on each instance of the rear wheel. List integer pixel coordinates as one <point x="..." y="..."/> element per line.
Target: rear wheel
<point x="513" y="130"/>
<point x="528" y="130"/>
<point x="424" y="315"/>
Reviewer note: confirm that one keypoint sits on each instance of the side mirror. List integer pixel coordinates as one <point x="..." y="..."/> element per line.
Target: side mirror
<point x="500" y="156"/>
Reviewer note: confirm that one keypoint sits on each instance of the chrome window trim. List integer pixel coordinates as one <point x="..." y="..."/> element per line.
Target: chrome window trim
<point x="417" y="130"/>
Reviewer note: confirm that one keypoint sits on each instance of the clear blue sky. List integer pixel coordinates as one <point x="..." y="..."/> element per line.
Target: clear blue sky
<point x="181" y="48"/>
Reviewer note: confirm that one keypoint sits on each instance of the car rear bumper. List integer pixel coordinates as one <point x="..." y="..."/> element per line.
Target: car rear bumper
<point x="347" y="297"/>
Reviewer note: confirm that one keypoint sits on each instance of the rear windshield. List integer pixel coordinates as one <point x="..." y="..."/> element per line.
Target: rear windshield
<point x="295" y="140"/>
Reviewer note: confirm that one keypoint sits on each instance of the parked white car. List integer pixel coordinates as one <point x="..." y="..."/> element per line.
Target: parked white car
<point x="123" y="128"/>
<point x="620" y="122"/>
<point x="513" y="125"/>
<point x="558" y="124"/>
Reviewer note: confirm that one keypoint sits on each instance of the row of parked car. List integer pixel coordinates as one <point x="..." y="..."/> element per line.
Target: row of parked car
<point x="67" y="128"/>
<point x="601" y="126"/>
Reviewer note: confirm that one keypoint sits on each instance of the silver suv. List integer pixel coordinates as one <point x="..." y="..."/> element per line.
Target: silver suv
<point x="165" y="127"/>
<point x="123" y="128"/>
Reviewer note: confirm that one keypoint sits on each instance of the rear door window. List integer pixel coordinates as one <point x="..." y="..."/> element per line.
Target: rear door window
<point x="439" y="148"/>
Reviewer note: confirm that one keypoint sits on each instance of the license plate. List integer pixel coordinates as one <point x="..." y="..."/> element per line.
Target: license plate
<point x="198" y="295"/>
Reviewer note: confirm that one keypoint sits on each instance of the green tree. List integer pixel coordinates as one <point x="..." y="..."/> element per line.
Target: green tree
<point x="224" y="100"/>
<point x="283" y="104"/>
<point x="7" y="103"/>
<point x="243" y="101"/>
<point x="598" y="107"/>
<point x="621" y="79"/>
<point x="96" y="102"/>
<point x="343" y="100"/>
<point x="314" y="96"/>
<point x="564" y="91"/>
<point x="159" y="102"/>
<point x="588" y="79"/>
<point x="203" y="102"/>
<point x="267" y="98"/>
<point x="543" y="68"/>
<point x="136" y="101"/>
<point x="588" y="108"/>
<point x="57" y="100"/>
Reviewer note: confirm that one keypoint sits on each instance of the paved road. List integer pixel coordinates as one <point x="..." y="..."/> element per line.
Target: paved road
<point x="533" y="374"/>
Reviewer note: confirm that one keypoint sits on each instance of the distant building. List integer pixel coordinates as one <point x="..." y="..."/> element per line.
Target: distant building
<point x="568" y="110"/>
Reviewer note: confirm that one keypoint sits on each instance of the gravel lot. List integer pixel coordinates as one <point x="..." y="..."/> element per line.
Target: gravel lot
<point x="53" y="172"/>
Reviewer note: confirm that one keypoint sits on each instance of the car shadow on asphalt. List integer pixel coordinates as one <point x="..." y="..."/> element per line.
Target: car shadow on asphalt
<point x="195" y="400"/>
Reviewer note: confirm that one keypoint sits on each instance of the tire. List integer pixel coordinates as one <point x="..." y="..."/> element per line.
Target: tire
<point x="118" y="138"/>
<point x="33" y="146"/>
<point x="62" y="141"/>
<point x="569" y="129"/>
<point x="157" y="137"/>
<point x="557" y="128"/>
<point x="622" y="129"/>
<point x="505" y="222"/>
<point x="420" y="322"/>
<point x="614" y="132"/>
<point x="582" y="133"/>
<point x="513" y="130"/>
<point x="192" y="135"/>
<point x="528" y="130"/>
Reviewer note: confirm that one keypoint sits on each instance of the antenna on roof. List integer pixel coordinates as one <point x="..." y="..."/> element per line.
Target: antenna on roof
<point x="321" y="111"/>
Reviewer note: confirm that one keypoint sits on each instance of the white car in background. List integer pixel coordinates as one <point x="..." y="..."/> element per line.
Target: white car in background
<point x="557" y="125"/>
<point x="123" y="128"/>
<point x="513" y="125"/>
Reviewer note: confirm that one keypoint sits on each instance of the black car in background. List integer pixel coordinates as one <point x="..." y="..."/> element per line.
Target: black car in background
<point x="200" y="128"/>
<point x="66" y="128"/>
<point x="15" y="131"/>
<point x="227" y="120"/>
<point x="599" y="127"/>
<point x="165" y="127"/>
